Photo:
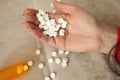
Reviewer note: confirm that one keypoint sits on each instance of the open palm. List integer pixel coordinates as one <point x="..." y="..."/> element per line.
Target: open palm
<point x="82" y="32"/>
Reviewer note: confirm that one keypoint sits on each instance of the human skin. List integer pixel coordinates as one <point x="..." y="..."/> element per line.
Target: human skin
<point x="83" y="33"/>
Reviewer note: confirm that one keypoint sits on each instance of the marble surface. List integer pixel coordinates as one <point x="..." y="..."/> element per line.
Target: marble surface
<point x="17" y="44"/>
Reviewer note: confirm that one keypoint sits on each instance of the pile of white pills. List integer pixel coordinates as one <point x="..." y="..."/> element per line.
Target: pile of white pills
<point x="50" y="27"/>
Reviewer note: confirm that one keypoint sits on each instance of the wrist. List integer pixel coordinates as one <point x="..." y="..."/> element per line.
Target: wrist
<point x="109" y="38"/>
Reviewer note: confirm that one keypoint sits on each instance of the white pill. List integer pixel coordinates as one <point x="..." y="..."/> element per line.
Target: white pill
<point x="64" y="25"/>
<point x="65" y="60"/>
<point x="41" y="65"/>
<point x="55" y="34"/>
<point x="47" y="78"/>
<point x="45" y="15"/>
<point x="42" y="22"/>
<point x="46" y="18"/>
<point x="61" y="51"/>
<point x="45" y="27"/>
<point x="52" y="5"/>
<point x="48" y="23"/>
<point x="61" y="32"/>
<point x="40" y="26"/>
<point x="60" y="20"/>
<point x="64" y="64"/>
<point x="57" y="60"/>
<point x="52" y="75"/>
<point x="52" y="21"/>
<point x="40" y="19"/>
<point x="30" y="63"/>
<point x="59" y="0"/>
<point x="50" y="60"/>
<point x="38" y="51"/>
<point x="57" y="27"/>
<point x="37" y="15"/>
<point x="65" y="22"/>
<point x="54" y="54"/>
<point x="25" y="67"/>
<point x="67" y="52"/>
<point x="41" y="12"/>
<point x="44" y="33"/>
<point x="53" y="11"/>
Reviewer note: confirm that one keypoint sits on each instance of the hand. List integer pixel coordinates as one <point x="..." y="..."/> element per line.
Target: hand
<point x="84" y="33"/>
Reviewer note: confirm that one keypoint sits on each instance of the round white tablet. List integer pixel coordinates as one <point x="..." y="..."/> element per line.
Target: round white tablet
<point x="55" y="34"/>
<point x="61" y="32"/>
<point x="64" y="25"/>
<point x="50" y="60"/>
<point x="61" y="51"/>
<point x="65" y="60"/>
<point x="47" y="78"/>
<point x="25" y="67"/>
<point x="52" y="75"/>
<point x="54" y="53"/>
<point x="67" y="52"/>
<point x="45" y="27"/>
<point x="41" y="12"/>
<point x="30" y="63"/>
<point x="60" y="20"/>
<point x="64" y="64"/>
<point x="38" y="51"/>
<point x="41" y="65"/>
<point x="57" y="60"/>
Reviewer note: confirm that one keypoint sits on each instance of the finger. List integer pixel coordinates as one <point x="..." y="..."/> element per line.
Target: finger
<point x="31" y="11"/>
<point x="30" y="18"/>
<point x="37" y="33"/>
<point x="63" y="7"/>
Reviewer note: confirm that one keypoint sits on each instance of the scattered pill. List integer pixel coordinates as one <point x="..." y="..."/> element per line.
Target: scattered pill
<point x="60" y="51"/>
<point x="52" y="75"/>
<point x="57" y="60"/>
<point x="30" y="63"/>
<point x="41" y="12"/>
<point x="55" y="34"/>
<point x="38" y="51"/>
<point x="60" y="20"/>
<point x="47" y="78"/>
<point x="25" y="67"/>
<point x="44" y="33"/>
<point x="41" y="65"/>
<point x="45" y="27"/>
<point x="67" y="52"/>
<point x="61" y="32"/>
<point x="64" y="25"/>
<point x="54" y="53"/>
<point x="50" y="60"/>
<point x="64" y="64"/>
<point x="65" y="60"/>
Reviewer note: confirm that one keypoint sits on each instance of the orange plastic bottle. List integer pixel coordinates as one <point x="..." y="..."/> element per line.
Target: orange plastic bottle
<point x="13" y="72"/>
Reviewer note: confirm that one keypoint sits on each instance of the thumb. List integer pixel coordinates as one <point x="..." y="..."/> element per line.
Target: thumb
<point x="63" y="7"/>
